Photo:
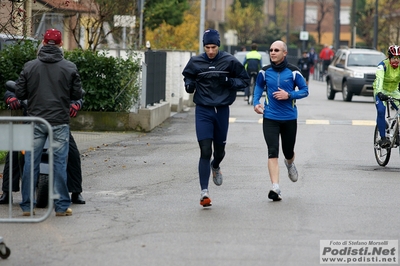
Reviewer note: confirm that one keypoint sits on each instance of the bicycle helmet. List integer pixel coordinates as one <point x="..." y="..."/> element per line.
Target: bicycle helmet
<point x="394" y="50"/>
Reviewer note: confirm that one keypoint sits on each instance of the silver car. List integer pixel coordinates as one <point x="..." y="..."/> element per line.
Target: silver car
<point x="8" y="39"/>
<point x="352" y="72"/>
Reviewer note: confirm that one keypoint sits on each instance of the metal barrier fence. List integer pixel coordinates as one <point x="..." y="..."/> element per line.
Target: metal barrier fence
<point x="17" y="137"/>
<point x="17" y="134"/>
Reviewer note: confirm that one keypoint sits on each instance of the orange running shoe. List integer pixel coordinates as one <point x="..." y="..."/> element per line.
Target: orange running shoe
<point x="205" y="200"/>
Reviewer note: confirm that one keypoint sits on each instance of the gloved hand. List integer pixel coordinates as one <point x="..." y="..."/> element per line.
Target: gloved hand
<point x="73" y="109"/>
<point x="190" y="87"/>
<point x="225" y="81"/>
<point x="13" y="103"/>
<point x="382" y="96"/>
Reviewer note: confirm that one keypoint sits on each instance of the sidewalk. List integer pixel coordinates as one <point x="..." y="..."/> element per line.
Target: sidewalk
<point x="91" y="140"/>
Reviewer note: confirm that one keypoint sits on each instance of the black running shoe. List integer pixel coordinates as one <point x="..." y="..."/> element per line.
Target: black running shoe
<point x="384" y="143"/>
<point x="275" y="194"/>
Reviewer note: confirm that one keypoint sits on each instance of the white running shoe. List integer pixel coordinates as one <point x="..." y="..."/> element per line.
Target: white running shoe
<point x="217" y="175"/>
<point x="292" y="171"/>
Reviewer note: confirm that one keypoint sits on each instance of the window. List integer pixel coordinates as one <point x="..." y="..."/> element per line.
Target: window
<point x="45" y="21"/>
<point x="345" y="15"/>
<point x="342" y="59"/>
<point x="311" y="14"/>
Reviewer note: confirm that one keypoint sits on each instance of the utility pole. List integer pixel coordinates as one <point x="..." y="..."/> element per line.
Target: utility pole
<point x="337" y="25"/>
<point x="304" y="24"/>
<point x="376" y="25"/>
<point x="201" y="25"/>
<point x="353" y="24"/>
<point x="28" y="18"/>
<point x="141" y="7"/>
<point x="288" y="22"/>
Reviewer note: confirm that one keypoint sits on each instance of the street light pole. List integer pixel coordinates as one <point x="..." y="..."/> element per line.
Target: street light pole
<point x="304" y="24"/>
<point x="288" y="22"/>
<point x="337" y="25"/>
<point x="376" y="25"/>
<point x="141" y="6"/>
<point x="201" y="25"/>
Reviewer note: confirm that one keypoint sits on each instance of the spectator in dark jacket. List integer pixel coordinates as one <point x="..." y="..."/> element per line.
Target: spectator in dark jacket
<point x="304" y="64"/>
<point x="74" y="171"/>
<point x="49" y="83"/>
<point x="213" y="77"/>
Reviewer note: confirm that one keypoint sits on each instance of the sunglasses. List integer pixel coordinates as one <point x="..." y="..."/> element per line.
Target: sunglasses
<point x="395" y="57"/>
<point x="274" y="50"/>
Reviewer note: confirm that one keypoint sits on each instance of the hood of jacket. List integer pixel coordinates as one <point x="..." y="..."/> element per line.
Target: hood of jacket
<point x="50" y="54"/>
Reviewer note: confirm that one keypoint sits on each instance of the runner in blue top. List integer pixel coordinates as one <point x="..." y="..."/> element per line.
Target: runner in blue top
<point x="279" y="110"/>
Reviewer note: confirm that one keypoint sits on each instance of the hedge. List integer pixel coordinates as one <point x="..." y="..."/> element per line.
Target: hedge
<point x="111" y="84"/>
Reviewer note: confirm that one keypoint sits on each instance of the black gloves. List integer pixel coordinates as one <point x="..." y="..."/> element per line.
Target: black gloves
<point x="13" y="103"/>
<point x="73" y="109"/>
<point x="225" y="81"/>
<point x="190" y="87"/>
<point x="382" y="96"/>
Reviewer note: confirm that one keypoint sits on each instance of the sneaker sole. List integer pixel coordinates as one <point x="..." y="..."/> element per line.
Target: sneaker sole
<point x="274" y="196"/>
<point x="206" y="202"/>
<point x="63" y="214"/>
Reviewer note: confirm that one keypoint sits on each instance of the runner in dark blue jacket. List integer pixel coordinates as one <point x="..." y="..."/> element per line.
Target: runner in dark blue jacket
<point x="283" y="83"/>
<point x="214" y="77"/>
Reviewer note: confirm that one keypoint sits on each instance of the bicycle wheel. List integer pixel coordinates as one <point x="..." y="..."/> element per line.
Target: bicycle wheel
<point x="382" y="156"/>
<point x="251" y="90"/>
<point x="42" y="191"/>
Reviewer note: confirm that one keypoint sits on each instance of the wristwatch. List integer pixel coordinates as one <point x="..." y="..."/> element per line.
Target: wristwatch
<point x="288" y="94"/>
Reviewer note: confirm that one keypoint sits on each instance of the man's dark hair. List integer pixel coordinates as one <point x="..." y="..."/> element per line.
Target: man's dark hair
<point x="254" y="46"/>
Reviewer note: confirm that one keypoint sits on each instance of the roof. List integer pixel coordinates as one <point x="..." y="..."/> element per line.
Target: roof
<point x="63" y="5"/>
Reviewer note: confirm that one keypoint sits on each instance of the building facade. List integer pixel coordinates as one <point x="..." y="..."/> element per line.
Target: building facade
<point x="318" y="17"/>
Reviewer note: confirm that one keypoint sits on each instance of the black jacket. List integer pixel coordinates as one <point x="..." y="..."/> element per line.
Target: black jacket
<point x="49" y="83"/>
<point x="206" y="75"/>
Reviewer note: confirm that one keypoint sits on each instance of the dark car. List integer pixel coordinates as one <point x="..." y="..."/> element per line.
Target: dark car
<point x="352" y="72"/>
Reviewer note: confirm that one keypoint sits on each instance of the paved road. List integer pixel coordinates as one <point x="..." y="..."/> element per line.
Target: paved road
<point x="143" y="207"/>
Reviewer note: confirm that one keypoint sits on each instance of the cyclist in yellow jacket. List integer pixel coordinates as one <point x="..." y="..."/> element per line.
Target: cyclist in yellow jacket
<point x="252" y="63"/>
<point x="386" y="84"/>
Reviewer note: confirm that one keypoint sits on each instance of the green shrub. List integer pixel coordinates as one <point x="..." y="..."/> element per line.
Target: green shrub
<point x="2" y="157"/>
<point x="12" y="60"/>
<point x="111" y="84"/>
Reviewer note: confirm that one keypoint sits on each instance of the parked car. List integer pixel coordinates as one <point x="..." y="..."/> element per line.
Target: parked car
<point x="352" y="72"/>
<point x="8" y="39"/>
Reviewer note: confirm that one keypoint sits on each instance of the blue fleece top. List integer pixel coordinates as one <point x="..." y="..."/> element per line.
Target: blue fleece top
<point x="286" y="77"/>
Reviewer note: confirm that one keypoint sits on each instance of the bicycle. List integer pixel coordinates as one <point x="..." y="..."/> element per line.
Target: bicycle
<point x="382" y="155"/>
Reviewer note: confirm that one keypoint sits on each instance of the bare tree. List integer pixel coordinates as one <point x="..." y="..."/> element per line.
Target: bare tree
<point x="98" y="24"/>
<point x="324" y="7"/>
